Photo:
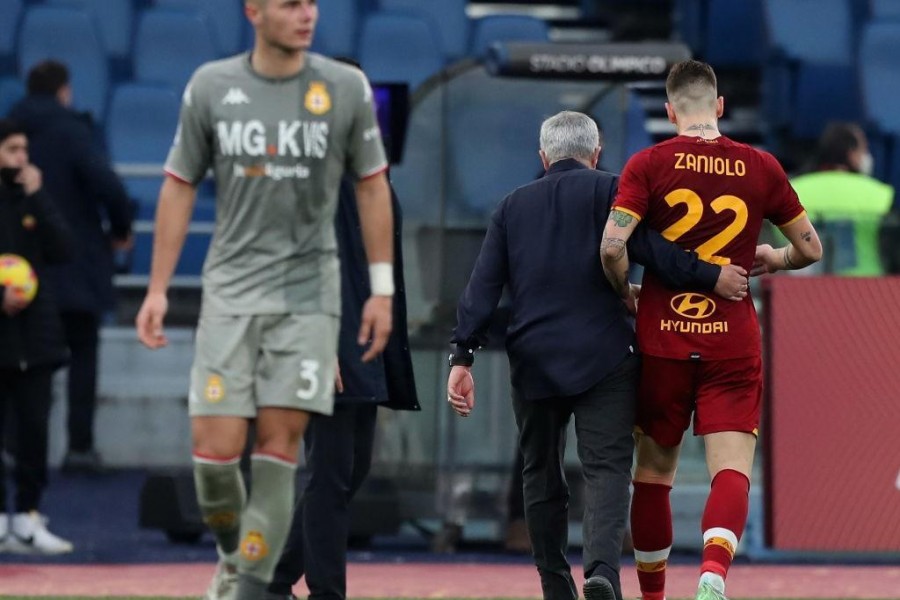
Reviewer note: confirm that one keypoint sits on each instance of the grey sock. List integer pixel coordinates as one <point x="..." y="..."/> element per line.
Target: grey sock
<point x="266" y="521"/>
<point x="221" y="496"/>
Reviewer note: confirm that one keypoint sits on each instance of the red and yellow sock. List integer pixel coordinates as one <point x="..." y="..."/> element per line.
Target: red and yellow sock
<point x="651" y="531"/>
<point x="723" y="520"/>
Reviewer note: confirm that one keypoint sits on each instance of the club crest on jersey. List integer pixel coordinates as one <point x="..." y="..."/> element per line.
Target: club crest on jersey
<point x="254" y="546"/>
<point x="317" y="101"/>
<point x="214" y="390"/>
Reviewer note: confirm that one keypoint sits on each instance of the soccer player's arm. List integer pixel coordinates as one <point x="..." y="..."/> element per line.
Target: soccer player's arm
<point x="785" y="211"/>
<point x="368" y="162"/>
<point x="185" y="167"/>
<point x="626" y="212"/>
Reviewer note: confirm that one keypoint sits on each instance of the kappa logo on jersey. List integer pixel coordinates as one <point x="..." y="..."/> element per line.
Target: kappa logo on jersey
<point x="236" y="95"/>
<point x="292" y="138"/>
<point x="693" y="306"/>
<point x="317" y="101"/>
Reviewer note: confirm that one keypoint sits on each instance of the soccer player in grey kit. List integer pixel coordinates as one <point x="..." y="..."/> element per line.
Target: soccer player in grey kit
<point x="278" y="126"/>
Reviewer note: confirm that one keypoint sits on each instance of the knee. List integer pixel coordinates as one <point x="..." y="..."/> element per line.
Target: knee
<point x="649" y="474"/>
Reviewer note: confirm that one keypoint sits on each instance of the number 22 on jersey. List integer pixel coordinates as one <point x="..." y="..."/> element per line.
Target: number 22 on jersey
<point x="708" y="249"/>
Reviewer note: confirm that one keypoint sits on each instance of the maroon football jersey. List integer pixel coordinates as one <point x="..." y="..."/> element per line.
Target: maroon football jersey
<point x="709" y="196"/>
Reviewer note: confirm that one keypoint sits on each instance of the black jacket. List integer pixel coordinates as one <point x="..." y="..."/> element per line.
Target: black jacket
<point x="387" y="380"/>
<point x="568" y="328"/>
<point x="32" y="227"/>
<point x="77" y="175"/>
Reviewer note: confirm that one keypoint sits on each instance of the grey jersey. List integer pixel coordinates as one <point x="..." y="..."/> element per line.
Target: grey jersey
<point x="278" y="149"/>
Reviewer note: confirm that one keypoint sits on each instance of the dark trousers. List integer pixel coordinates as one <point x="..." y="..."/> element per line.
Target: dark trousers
<point x="25" y="397"/>
<point x="82" y="337"/>
<point x="604" y="422"/>
<point x="515" y="502"/>
<point x="338" y="457"/>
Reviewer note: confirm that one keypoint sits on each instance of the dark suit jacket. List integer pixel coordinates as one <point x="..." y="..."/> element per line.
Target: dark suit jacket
<point x="387" y="380"/>
<point x="77" y="175"/>
<point x="568" y="328"/>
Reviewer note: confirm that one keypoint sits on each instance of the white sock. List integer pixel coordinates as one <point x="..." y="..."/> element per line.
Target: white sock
<point x="713" y="579"/>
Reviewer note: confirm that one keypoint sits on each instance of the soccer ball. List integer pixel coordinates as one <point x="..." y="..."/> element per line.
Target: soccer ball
<point x="16" y="273"/>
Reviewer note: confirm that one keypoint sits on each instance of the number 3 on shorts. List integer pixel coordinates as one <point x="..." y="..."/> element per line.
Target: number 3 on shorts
<point x="309" y="373"/>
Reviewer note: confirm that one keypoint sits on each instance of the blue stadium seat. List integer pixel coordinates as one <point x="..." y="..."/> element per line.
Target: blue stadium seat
<point x="689" y="17"/>
<point x="114" y="20"/>
<point x="226" y="18"/>
<point x="411" y="57"/>
<point x="336" y="31"/>
<point x="506" y="28"/>
<point x="880" y="85"/>
<point x="807" y="66"/>
<point x="450" y="15"/>
<point x="735" y="35"/>
<point x="170" y="45"/>
<point x="69" y="36"/>
<point x="10" y="11"/>
<point x="140" y="128"/>
<point x="11" y="91"/>
<point x="636" y="135"/>
<point x="885" y="9"/>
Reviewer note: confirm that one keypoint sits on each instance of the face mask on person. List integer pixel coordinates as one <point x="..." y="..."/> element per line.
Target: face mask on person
<point x="8" y="175"/>
<point x="866" y="164"/>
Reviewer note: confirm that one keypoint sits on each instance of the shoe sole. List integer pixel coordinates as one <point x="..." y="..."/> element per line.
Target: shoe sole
<point x="599" y="588"/>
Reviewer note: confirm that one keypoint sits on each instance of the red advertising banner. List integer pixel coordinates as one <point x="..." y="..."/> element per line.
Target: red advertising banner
<point x="832" y="414"/>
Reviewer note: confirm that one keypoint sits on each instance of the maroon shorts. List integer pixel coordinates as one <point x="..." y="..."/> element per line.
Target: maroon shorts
<point x="723" y="395"/>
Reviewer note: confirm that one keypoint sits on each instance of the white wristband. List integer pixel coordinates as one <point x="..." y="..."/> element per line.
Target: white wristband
<point x="381" y="278"/>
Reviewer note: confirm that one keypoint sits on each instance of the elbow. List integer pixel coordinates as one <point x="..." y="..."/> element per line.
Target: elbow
<point x="812" y="251"/>
<point x="610" y="253"/>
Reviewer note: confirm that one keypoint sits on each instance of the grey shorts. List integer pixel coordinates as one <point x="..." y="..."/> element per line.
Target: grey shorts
<point x="245" y="362"/>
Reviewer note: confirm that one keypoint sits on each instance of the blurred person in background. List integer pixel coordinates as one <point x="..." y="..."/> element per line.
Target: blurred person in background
<point x="31" y="343"/>
<point x="845" y="202"/>
<point x="279" y="127"/>
<point x="338" y="447"/>
<point x="79" y="178"/>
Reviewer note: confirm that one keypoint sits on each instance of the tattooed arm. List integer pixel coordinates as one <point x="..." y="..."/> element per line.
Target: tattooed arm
<point x="803" y="250"/>
<point x="613" y="253"/>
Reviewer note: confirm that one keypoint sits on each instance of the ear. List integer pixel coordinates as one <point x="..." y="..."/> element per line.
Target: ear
<point x="670" y="113"/>
<point x="720" y="107"/>
<point x="595" y="157"/>
<point x="544" y="160"/>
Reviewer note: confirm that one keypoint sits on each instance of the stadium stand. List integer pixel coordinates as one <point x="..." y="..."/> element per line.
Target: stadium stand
<point x="880" y="78"/>
<point x="225" y="16"/>
<point x="734" y="33"/>
<point x="68" y="35"/>
<point x="170" y="45"/>
<point x="114" y="20"/>
<point x="810" y="77"/>
<point x="506" y="28"/>
<point x="455" y="25"/>
<point x="11" y="91"/>
<point x="885" y="9"/>
<point x="10" y="13"/>
<point x="337" y="31"/>
<point x="410" y="58"/>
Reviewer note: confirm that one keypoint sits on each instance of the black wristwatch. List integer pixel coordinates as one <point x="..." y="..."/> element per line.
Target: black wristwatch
<point x="463" y="357"/>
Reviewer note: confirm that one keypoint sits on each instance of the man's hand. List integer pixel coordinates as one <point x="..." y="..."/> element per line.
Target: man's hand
<point x="31" y="179"/>
<point x="149" y="321"/>
<point x="733" y="283"/>
<point x="125" y="244"/>
<point x="376" y="325"/>
<point x="634" y="294"/>
<point x="13" y="303"/>
<point x="767" y="260"/>
<point x="461" y="390"/>
<point x="338" y="380"/>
